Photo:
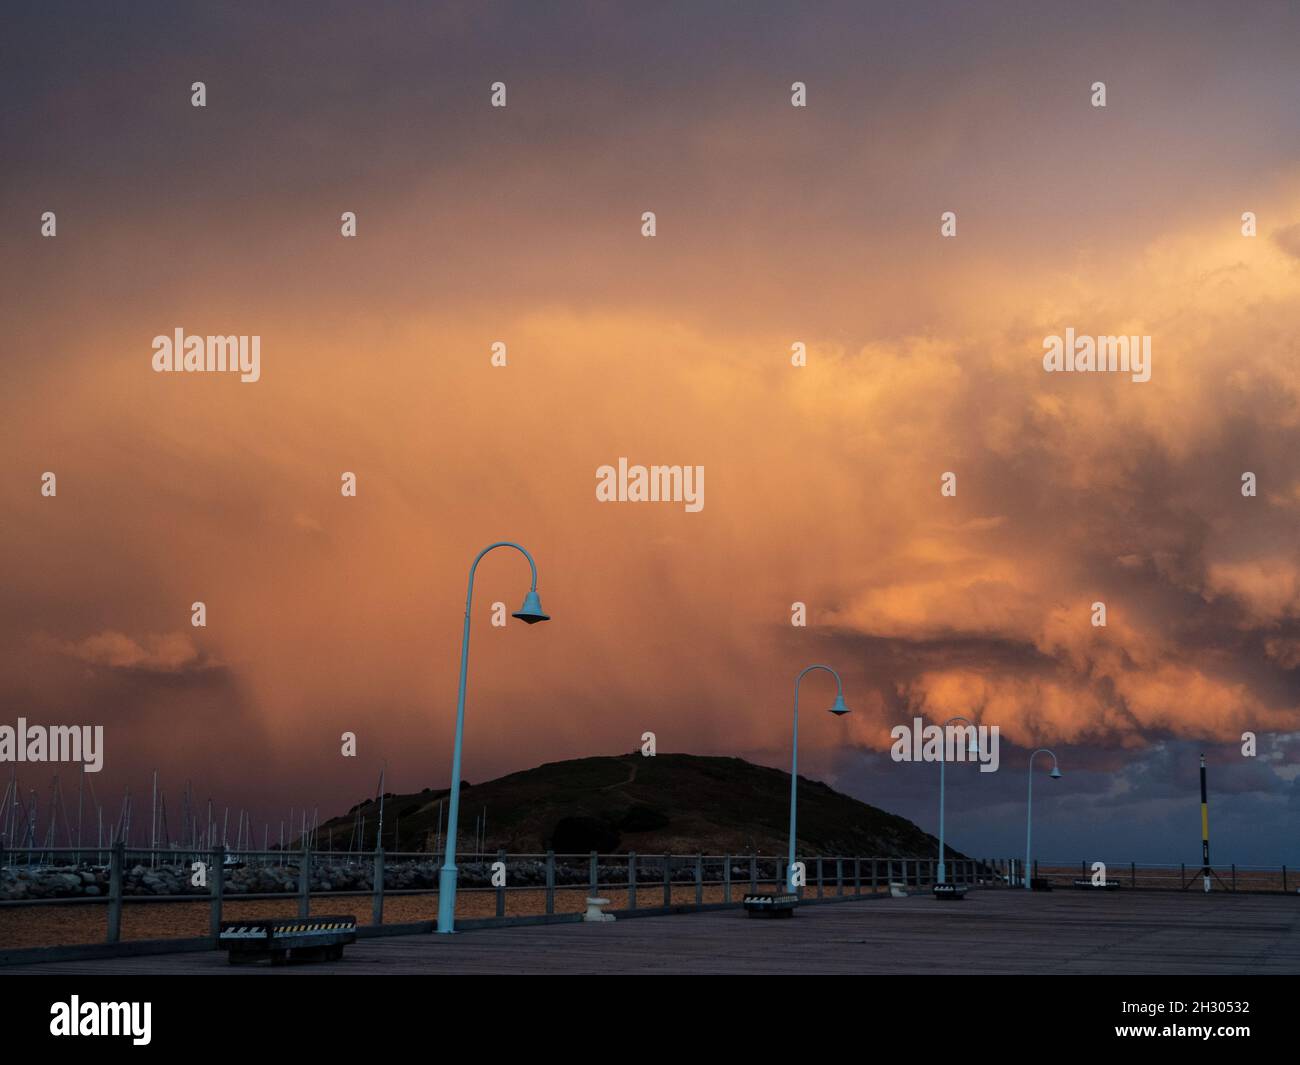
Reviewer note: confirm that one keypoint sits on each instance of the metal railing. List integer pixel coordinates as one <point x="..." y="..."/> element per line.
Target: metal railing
<point x="546" y="884"/>
<point x="505" y="887"/>
<point x="1155" y="876"/>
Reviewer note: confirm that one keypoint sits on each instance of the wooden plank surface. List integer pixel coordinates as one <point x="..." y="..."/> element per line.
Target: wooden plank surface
<point x="989" y="932"/>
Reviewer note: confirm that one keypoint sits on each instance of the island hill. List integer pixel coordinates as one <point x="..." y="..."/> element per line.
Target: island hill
<point x="670" y="803"/>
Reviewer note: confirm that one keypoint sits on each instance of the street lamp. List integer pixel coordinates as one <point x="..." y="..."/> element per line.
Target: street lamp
<point x="972" y="747"/>
<point x="530" y="613"/>
<point x="838" y="709"/>
<point x="1029" y="819"/>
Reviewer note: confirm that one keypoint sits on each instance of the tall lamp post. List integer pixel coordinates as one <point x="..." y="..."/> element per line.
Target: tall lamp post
<point x="971" y="748"/>
<point x="530" y="613"/>
<point x="838" y="709"/>
<point x="1029" y="819"/>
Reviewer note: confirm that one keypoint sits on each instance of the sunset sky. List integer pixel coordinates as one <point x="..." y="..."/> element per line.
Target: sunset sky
<point x="776" y="225"/>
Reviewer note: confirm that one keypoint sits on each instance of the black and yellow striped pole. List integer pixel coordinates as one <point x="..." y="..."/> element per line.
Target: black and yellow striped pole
<point x="1205" y="830"/>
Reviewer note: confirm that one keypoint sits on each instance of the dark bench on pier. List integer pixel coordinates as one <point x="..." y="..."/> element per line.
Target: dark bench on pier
<point x="949" y="891"/>
<point x="285" y="939"/>
<point x="768" y="905"/>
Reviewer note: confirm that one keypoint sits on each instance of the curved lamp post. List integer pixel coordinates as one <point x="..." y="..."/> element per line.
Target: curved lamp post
<point x="1029" y="820"/>
<point x="530" y="613"/>
<point x="971" y="748"/>
<point x="838" y="709"/>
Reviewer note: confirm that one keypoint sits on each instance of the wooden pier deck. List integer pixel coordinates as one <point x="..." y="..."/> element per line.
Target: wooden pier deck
<point x="1004" y="931"/>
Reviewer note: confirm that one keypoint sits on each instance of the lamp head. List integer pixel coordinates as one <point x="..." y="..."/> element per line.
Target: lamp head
<point x="839" y="709"/>
<point x="1055" y="774"/>
<point x="531" y="612"/>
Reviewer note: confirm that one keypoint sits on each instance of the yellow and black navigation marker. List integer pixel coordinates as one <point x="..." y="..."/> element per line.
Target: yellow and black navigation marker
<point x="1205" y="830"/>
<point x="1206" y="871"/>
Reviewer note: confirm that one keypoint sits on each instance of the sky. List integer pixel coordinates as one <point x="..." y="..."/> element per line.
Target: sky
<point x="775" y="225"/>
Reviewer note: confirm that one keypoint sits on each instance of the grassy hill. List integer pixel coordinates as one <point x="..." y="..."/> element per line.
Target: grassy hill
<point x="671" y="803"/>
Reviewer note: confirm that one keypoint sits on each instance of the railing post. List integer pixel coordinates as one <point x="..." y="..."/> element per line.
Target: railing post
<point x="839" y="876"/>
<point x="631" y="880"/>
<point x="115" y="863"/>
<point x="873" y="876"/>
<point x="593" y="877"/>
<point x="501" y="891"/>
<point x="377" y="889"/>
<point x="304" y="882"/>
<point x="216" y="889"/>
<point x="668" y="879"/>
<point x="726" y="878"/>
<point x="1234" y="876"/>
<point x="699" y="880"/>
<point x="1132" y="874"/>
<point x="1284" y="879"/>
<point x="753" y="873"/>
<point x="857" y="875"/>
<point x="821" y="889"/>
<point x="1182" y="875"/>
<point x="550" y="882"/>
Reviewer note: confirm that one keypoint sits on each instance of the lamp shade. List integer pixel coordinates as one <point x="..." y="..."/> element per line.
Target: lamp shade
<point x="839" y="707"/>
<point x="531" y="612"/>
